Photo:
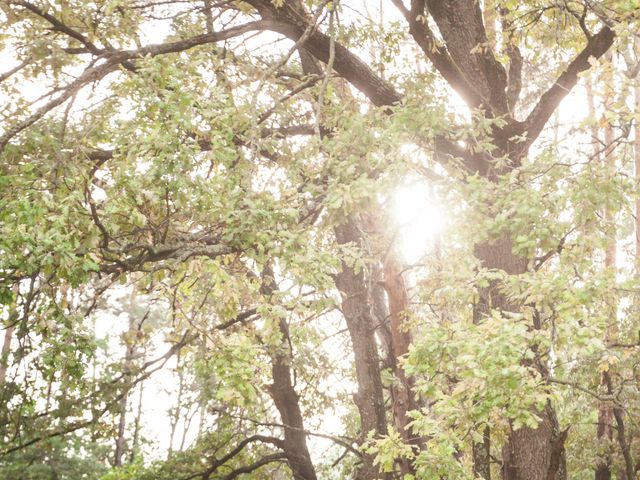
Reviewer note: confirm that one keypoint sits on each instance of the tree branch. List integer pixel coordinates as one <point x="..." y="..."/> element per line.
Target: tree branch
<point x="549" y="101"/>
<point x="254" y="438"/>
<point x="438" y="55"/>
<point x="291" y="22"/>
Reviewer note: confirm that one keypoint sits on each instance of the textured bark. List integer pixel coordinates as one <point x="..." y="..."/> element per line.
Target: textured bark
<point x="291" y="20"/>
<point x="286" y="398"/>
<point x="288" y="404"/>
<point x="530" y="453"/>
<point x="357" y="308"/>
<point x="122" y="421"/>
<point x="403" y="396"/>
<point x="536" y="454"/>
<point x="482" y="455"/>
<point x="468" y="47"/>
<point x="636" y="153"/>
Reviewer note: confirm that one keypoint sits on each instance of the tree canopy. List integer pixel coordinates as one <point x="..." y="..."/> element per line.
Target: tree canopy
<point x="320" y="239"/>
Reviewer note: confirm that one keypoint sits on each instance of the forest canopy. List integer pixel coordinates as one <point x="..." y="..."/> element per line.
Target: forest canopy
<point x="319" y="239"/>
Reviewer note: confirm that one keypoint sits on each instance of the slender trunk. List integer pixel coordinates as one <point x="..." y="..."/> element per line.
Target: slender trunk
<point x="175" y="411"/>
<point x="202" y="399"/>
<point x="135" y="443"/>
<point x="402" y="391"/>
<point x="117" y="460"/>
<point x="604" y="430"/>
<point x="358" y="311"/>
<point x="286" y="399"/>
<point x="4" y="356"/>
<point x="187" y="425"/>
<point x="122" y="421"/>
<point x="636" y="153"/>
<point x="288" y="404"/>
<point x="8" y="336"/>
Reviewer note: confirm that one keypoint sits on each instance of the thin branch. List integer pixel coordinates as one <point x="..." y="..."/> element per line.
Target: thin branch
<point x="14" y="70"/>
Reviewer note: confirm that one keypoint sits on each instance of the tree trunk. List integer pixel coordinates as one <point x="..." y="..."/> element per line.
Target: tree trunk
<point x="287" y="403"/>
<point x="285" y="397"/>
<point x="402" y="391"/>
<point x="8" y="336"/>
<point x="530" y="453"/>
<point x="357" y="309"/>
<point x="128" y="359"/>
<point x="135" y="443"/>
<point x="4" y="356"/>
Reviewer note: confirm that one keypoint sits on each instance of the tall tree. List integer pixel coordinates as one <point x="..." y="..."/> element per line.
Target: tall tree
<point x="236" y="162"/>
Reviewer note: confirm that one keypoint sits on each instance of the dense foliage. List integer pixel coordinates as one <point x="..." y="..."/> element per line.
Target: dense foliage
<point x="208" y="270"/>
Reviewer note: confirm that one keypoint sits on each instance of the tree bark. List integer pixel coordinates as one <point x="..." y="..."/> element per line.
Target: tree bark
<point x="4" y="356"/>
<point x="287" y="403"/>
<point x="402" y="391"/>
<point x="530" y="453"/>
<point x="357" y="309"/>
<point x="8" y="336"/>
<point x="285" y="397"/>
<point x="128" y="359"/>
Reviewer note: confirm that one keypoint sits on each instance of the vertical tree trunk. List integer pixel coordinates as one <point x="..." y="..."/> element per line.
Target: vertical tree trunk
<point x="128" y="359"/>
<point x="135" y="443"/>
<point x="636" y="153"/>
<point x="8" y="336"/>
<point x="285" y="397"/>
<point x="175" y="412"/>
<point x="403" y="398"/>
<point x="604" y="430"/>
<point x="530" y="453"/>
<point x="4" y="356"/>
<point x="357" y="309"/>
<point x="287" y="403"/>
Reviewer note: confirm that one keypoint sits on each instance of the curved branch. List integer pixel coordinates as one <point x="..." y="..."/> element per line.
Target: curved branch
<point x="290" y="22"/>
<point x="254" y="466"/>
<point x="254" y="438"/>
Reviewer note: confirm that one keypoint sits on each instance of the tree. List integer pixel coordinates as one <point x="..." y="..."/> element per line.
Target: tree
<point x="235" y="162"/>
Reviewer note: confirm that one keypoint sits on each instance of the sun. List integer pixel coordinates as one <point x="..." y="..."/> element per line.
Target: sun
<point x="419" y="218"/>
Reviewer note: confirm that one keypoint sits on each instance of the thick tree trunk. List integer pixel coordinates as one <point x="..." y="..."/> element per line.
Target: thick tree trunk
<point x="357" y="308"/>
<point x="530" y="453"/>
<point x="536" y="454"/>
<point x="499" y="256"/>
